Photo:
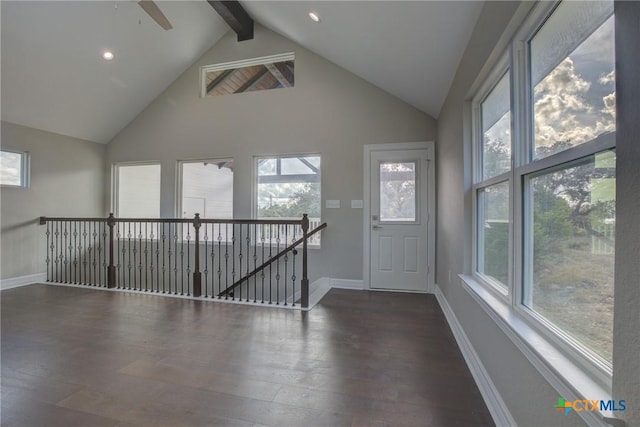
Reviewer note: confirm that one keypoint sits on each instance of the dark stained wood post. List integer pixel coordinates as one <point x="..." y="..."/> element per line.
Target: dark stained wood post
<point x="197" y="276"/>
<point x="111" y="270"/>
<point x="304" y="283"/>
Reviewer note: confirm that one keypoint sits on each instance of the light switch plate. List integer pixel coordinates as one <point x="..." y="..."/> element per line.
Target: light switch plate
<point x="356" y="204"/>
<point x="332" y="204"/>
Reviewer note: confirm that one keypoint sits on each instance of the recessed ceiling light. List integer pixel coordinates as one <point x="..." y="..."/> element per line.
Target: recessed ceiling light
<point x="314" y="17"/>
<point x="108" y="55"/>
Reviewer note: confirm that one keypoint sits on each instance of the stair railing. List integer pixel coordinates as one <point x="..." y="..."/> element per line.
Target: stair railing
<point x="244" y="260"/>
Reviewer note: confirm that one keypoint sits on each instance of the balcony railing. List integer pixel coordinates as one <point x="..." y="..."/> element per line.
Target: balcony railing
<point x="254" y="261"/>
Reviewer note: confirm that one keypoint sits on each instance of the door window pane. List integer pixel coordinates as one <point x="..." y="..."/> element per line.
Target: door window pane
<point x="496" y="130"/>
<point x="493" y="233"/>
<point x="572" y="227"/>
<point x="572" y="77"/>
<point x="138" y="191"/>
<point x="398" y="191"/>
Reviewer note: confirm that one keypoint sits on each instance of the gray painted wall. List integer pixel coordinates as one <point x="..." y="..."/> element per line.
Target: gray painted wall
<point x="527" y="394"/>
<point x="329" y="111"/>
<point x="67" y="176"/>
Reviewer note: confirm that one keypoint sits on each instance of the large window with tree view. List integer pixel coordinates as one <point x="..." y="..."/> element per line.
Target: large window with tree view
<point x="544" y="178"/>
<point x="288" y="187"/>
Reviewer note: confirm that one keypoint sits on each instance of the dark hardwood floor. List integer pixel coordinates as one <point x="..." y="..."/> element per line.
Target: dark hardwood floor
<point x="83" y="357"/>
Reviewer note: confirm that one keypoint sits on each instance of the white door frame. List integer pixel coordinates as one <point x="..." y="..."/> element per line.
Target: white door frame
<point x="431" y="200"/>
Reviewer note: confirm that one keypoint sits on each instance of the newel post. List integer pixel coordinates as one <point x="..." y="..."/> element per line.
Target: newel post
<point x="304" y="283"/>
<point x="197" y="276"/>
<point x="111" y="269"/>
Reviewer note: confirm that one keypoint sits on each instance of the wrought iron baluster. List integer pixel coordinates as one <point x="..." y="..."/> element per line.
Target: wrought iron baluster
<point x="271" y="235"/>
<point x="206" y="259"/>
<point x="103" y="252"/>
<point x="84" y="239"/>
<point x="278" y="265"/>
<point x="175" y="258"/>
<point x="164" y="266"/>
<point x="240" y="263"/>
<point x="262" y="239"/>
<point x="255" y="261"/>
<point x="140" y="253"/>
<point x="129" y="258"/>
<point x="188" y="256"/>
<point x="286" y="261"/>
<point x="233" y="258"/>
<point x="95" y="247"/>
<point x="293" y="278"/>
<point x="66" y="263"/>
<point x="56" y="235"/>
<point x="146" y="258"/>
<point x="148" y="271"/>
<point x="219" y="260"/>
<point x="226" y="260"/>
<point x="248" y="238"/>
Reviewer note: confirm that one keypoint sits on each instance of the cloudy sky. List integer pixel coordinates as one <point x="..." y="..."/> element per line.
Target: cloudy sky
<point x="575" y="102"/>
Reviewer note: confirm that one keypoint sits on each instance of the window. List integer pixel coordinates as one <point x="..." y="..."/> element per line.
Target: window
<point x="493" y="183"/>
<point x="14" y="168"/>
<point x="544" y="178"/>
<point x="288" y="187"/>
<point x="206" y="187"/>
<point x="137" y="190"/>
<point x="250" y="75"/>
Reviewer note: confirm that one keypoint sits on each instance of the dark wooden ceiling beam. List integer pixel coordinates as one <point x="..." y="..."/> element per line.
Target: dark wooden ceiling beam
<point x="222" y="77"/>
<point x="281" y="73"/>
<point x="235" y="16"/>
<point x="249" y="84"/>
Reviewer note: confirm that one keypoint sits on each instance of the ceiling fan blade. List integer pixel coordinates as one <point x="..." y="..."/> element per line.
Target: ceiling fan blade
<point x="155" y="13"/>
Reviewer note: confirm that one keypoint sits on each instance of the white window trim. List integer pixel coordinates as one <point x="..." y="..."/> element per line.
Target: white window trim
<point x="573" y="370"/>
<point x="25" y="162"/>
<point x="490" y="82"/>
<point x="115" y="185"/>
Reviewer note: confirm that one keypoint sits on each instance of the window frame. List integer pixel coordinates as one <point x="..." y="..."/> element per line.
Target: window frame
<point x="25" y="168"/>
<point x="115" y="183"/>
<point x="501" y="68"/>
<point x="524" y="167"/>
<point x="179" y="183"/>
<point x="255" y="184"/>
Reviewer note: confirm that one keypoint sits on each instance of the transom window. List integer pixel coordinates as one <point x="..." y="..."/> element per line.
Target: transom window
<point x="544" y="177"/>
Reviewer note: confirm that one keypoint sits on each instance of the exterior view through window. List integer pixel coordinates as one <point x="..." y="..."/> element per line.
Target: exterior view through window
<point x="287" y="188"/>
<point x="14" y="168"/>
<point x="548" y="172"/>
<point x="571" y="207"/>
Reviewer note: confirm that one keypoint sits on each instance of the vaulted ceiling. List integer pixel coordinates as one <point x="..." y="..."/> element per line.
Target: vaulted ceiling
<point x="54" y="77"/>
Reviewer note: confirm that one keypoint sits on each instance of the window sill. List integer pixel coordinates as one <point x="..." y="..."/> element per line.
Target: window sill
<point x="565" y="376"/>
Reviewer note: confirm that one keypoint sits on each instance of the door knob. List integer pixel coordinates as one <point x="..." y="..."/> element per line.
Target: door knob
<point x="376" y="227"/>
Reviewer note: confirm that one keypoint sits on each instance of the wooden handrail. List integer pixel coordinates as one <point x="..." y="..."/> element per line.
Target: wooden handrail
<point x="45" y="219"/>
<point x="273" y="259"/>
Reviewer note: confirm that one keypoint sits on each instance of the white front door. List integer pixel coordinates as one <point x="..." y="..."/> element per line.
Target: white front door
<point x="400" y="258"/>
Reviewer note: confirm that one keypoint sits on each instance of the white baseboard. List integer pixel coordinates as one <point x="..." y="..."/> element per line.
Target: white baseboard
<point x="498" y="409"/>
<point x="319" y="288"/>
<point x="15" y="282"/>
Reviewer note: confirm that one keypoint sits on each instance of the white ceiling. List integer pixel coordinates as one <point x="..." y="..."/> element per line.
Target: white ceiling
<point x="54" y="78"/>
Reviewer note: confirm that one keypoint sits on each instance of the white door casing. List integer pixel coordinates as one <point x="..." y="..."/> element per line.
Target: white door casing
<point x="398" y="221"/>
